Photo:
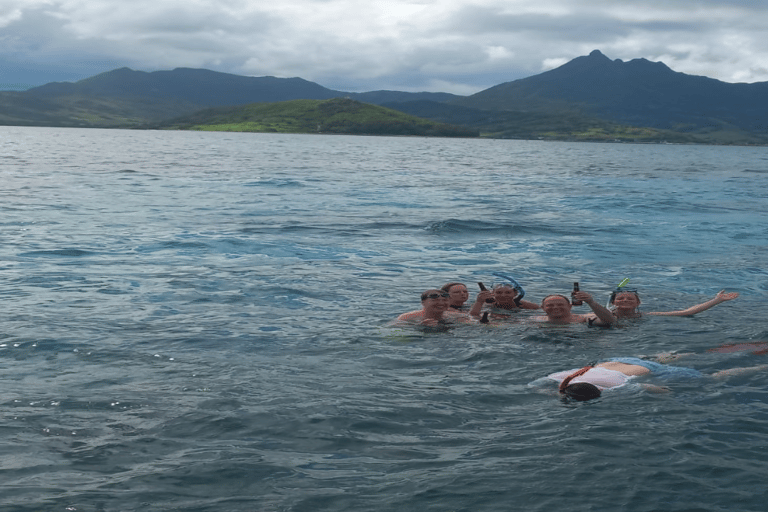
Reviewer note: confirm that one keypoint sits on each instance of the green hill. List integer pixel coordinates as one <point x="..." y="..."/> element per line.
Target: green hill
<point x="570" y="126"/>
<point x="339" y="115"/>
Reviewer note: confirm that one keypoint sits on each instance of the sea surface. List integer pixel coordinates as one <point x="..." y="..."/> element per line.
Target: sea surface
<point x="203" y="322"/>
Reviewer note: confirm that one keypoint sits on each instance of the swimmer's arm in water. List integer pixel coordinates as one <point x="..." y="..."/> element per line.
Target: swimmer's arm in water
<point x="411" y="317"/>
<point x="524" y="304"/>
<point x="655" y="389"/>
<point x="720" y="297"/>
<point x="457" y="316"/>
<point x="668" y="357"/>
<point x="740" y="371"/>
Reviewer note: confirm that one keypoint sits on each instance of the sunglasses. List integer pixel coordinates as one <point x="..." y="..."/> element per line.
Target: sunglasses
<point x="435" y="295"/>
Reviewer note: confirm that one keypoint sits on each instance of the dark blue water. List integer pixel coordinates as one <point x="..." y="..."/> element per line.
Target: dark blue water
<point x="201" y="321"/>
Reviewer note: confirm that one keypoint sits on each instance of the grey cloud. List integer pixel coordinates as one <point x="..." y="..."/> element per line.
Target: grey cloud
<point x="470" y="46"/>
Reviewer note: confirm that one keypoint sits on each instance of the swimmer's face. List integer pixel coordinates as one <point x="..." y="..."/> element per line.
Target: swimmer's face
<point x="626" y="300"/>
<point x="556" y="307"/>
<point x="435" y="299"/>
<point x="504" y="294"/>
<point x="459" y="294"/>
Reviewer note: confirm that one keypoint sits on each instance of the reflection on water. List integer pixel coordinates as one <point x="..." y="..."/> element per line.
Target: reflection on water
<point x="201" y="321"/>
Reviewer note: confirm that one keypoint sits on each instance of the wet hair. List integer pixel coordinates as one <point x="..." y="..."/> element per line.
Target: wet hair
<point x="433" y="290"/>
<point x="616" y="292"/>
<point x="556" y="295"/>
<point x="581" y="391"/>
<point x="447" y="287"/>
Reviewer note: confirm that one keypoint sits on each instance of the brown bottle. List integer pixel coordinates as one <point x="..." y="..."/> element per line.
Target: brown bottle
<point x="483" y="288"/>
<point x="575" y="302"/>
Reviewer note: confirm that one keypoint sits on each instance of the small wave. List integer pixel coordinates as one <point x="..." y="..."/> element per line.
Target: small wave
<point x="69" y="253"/>
<point x="462" y="226"/>
<point x="275" y="183"/>
<point x="363" y="230"/>
<point x="474" y="227"/>
<point x="174" y="245"/>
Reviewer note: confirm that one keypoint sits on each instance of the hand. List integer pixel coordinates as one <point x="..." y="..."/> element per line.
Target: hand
<point x="484" y="295"/>
<point x="656" y="389"/>
<point x="668" y="357"/>
<point x="582" y="296"/>
<point x="726" y="296"/>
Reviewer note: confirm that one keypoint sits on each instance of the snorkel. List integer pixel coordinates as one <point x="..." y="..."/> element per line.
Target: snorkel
<point x="619" y="289"/>
<point x="510" y="280"/>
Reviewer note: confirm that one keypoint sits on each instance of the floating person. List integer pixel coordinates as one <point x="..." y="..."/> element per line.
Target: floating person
<point x="626" y="303"/>
<point x="558" y="311"/>
<point x="588" y="382"/>
<point x="458" y="295"/>
<point x="435" y="310"/>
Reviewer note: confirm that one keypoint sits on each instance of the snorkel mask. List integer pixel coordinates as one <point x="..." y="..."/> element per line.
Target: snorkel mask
<point x="510" y="281"/>
<point x="619" y="289"/>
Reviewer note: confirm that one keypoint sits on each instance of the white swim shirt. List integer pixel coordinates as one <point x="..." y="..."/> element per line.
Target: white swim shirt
<point x="601" y="377"/>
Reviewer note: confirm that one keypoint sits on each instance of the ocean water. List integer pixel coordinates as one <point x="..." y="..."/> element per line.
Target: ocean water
<point x="203" y="322"/>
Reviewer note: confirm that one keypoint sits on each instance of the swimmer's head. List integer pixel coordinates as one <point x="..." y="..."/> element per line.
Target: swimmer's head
<point x="581" y="391"/>
<point x="447" y="287"/>
<point x="457" y="291"/>
<point x="505" y="289"/>
<point x="510" y="282"/>
<point x="555" y="296"/>
<point x="556" y="306"/>
<point x="434" y="295"/>
<point x="624" y="299"/>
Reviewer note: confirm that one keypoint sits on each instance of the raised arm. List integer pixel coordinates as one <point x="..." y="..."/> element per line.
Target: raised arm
<point x="604" y="316"/>
<point x="720" y="297"/>
<point x="477" y="307"/>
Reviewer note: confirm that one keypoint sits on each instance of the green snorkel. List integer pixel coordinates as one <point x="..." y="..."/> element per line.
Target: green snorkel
<point x="618" y="289"/>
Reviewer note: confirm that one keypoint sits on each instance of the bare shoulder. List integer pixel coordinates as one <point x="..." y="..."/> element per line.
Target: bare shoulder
<point x="411" y="316"/>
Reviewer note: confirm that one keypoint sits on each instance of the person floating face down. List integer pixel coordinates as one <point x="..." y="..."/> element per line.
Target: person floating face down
<point x="588" y="382"/>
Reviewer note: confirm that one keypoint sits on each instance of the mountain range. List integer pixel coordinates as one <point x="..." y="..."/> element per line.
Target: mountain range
<point x="590" y="97"/>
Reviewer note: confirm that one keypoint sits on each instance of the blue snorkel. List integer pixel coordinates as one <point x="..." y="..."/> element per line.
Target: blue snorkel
<point x="509" y="279"/>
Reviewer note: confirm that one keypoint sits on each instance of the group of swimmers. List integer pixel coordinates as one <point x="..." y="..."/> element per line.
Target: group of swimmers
<point x="448" y="305"/>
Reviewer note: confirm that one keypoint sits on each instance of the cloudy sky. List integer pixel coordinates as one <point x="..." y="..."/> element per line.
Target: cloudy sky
<point x="458" y="46"/>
